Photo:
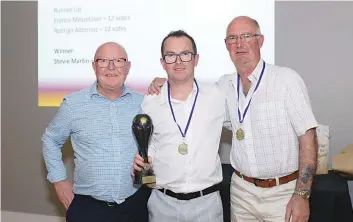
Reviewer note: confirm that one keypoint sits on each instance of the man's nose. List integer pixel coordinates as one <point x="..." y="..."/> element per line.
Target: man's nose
<point x="111" y="65"/>
<point x="178" y="60"/>
<point x="238" y="42"/>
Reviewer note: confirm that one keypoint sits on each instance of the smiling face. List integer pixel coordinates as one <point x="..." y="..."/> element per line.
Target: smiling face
<point x="244" y="52"/>
<point x="111" y="75"/>
<point x="179" y="48"/>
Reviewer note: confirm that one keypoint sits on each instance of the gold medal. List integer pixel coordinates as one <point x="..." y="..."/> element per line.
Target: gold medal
<point x="240" y="134"/>
<point x="183" y="148"/>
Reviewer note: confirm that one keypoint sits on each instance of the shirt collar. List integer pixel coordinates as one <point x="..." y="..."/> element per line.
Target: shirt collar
<point x="164" y="92"/>
<point x="253" y="77"/>
<point x="94" y="91"/>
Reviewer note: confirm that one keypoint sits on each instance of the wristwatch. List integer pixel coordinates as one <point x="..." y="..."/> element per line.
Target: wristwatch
<point x="304" y="193"/>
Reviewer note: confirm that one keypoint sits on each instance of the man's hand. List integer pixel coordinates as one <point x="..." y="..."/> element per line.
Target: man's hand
<point x="156" y="85"/>
<point x="298" y="209"/>
<point x="139" y="163"/>
<point x="64" y="192"/>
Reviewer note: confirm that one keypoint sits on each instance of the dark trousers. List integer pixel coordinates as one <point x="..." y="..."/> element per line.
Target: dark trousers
<point x="227" y="171"/>
<point x="86" y="209"/>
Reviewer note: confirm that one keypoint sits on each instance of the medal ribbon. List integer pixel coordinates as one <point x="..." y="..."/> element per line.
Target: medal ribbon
<point x="192" y="110"/>
<point x="241" y="117"/>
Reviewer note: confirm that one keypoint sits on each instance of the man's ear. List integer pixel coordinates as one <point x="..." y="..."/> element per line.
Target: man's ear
<point x="128" y="66"/>
<point x="196" y="58"/>
<point x="261" y="40"/>
<point x="94" y="66"/>
<point x="163" y="63"/>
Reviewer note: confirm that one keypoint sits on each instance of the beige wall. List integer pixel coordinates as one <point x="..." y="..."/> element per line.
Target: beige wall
<point x="307" y="39"/>
<point x="24" y="187"/>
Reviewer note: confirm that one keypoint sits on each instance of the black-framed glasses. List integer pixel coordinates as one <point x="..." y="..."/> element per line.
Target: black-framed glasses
<point x="104" y="63"/>
<point x="172" y="57"/>
<point x="246" y="37"/>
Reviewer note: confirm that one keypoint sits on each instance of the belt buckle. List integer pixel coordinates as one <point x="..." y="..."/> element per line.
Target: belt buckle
<point x="110" y="204"/>
<point x="257" y="180"/>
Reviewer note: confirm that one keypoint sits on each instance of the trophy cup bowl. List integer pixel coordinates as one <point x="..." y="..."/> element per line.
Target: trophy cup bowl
<point x="142" y="128"/>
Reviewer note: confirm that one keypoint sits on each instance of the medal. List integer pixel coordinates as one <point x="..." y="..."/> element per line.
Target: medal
<point x="183" y="147"/>
<point x="240" y="134"/>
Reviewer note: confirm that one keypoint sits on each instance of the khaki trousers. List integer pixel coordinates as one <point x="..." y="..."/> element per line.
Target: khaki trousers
<point x="251" y="203"/>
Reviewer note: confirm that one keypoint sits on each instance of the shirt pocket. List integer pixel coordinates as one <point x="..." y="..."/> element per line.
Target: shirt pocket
<point x="271" y="115"/>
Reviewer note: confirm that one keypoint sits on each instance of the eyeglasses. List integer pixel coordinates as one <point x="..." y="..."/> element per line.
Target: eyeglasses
<point x="184" y="57"/>
<point x="104" y="63"/>
<point x="246" y="37"/>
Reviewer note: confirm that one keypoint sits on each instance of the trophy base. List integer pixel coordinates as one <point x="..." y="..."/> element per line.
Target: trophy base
<point x="145" y="177"/>
<point x="149" y="179"/>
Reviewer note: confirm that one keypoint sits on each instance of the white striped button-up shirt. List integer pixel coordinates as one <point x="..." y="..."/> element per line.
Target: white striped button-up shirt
<point x="279" y="113"/>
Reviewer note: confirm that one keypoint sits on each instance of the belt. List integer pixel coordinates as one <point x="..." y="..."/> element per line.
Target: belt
<point x="267" y="183"/>
<point x="189" y="196"/>
<point x="109" y="204"/>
